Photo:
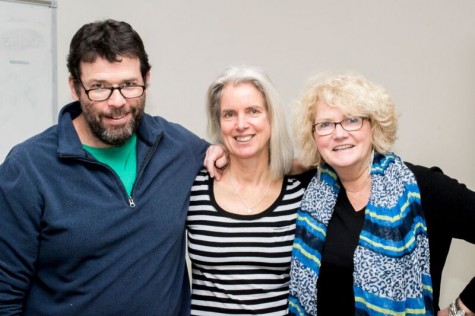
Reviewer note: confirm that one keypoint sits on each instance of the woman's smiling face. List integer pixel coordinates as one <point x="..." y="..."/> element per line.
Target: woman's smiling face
<point x="343" y="150"/>
<point x="245" y="125"/>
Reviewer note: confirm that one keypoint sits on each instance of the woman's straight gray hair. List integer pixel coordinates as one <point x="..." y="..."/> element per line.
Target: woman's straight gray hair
<point x="281" y="148"/>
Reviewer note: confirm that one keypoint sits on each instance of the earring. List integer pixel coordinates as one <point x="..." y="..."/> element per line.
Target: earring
<point x="371" y="159"/>
<point x="319" y="173"/>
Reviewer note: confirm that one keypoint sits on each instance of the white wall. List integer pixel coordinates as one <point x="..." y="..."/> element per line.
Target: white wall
<point x="421" y="50"/>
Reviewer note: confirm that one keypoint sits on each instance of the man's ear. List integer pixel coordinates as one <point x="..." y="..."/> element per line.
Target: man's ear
<point x="73" y="87"/>
<point x="147" y="80"/>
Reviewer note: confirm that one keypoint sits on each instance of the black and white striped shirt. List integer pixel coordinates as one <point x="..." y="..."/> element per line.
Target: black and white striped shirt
<point x="240" y="263"/>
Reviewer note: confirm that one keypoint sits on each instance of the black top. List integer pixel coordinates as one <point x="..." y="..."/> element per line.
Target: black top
<point x="335" y="282"/>
<point x="449" y="208"/>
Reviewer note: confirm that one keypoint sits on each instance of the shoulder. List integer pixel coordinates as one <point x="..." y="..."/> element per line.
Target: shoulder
<point x="428" y="177"/>
<point x="441" y="193"/>
<point x="202" y="176"/>
<point x="36" y="149"/>
<point x="422" y="171"/>
<point x="172" y="135"/>
<point x="200" y="190"/>
<point x="159" y="122"/>
<point x="160" y="125"/>
<point x="305" y="177"/>
<point x="201" y="179"/>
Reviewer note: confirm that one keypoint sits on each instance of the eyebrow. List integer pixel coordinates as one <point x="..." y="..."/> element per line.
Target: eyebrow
<point x="108" y="82"/>
<point x="326" y="119"/>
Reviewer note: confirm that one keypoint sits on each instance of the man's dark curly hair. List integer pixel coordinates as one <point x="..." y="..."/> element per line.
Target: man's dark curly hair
<point x="107" y="39"/>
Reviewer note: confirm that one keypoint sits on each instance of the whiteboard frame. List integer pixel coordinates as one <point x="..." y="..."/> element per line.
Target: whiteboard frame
<point x="35" y="2"/>
<point x="51" y="112"/>
<point x="53" y="4"/>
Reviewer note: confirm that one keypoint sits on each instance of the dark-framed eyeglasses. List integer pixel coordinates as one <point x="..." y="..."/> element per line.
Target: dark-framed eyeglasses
<point x="103" y="93"/>
<point x="349" y="124"/>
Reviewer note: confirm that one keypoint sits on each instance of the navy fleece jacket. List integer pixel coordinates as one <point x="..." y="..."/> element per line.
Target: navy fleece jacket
<point x="72" y="242"/>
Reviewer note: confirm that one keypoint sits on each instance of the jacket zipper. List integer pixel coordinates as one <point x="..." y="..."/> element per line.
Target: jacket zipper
<point x="149" y="155"/>
<point x="130" y="199"/>
<point x="131" y="202"/>
<point x="147" y="158"/>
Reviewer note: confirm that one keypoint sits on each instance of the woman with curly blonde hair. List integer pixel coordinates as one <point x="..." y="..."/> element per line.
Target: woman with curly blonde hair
<point x="373" y="232"/>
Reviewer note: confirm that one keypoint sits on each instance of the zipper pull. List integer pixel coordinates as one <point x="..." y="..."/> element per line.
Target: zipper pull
<point x="131" y="202"/>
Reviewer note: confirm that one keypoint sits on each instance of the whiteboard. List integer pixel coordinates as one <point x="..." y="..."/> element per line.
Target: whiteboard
<point x="27" y="71"/>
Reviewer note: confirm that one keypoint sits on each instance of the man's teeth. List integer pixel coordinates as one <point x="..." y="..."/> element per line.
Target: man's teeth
<point x="243" y="138"/>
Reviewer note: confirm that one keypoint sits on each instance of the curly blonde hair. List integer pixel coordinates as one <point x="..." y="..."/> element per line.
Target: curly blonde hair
<point x="354" y="95"/>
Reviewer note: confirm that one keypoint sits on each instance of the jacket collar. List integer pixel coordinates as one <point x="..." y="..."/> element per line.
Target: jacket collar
<point x="69" y="143"/>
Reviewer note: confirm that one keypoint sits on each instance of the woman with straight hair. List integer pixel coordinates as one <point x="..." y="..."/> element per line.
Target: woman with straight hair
<point x="241" y="228"/>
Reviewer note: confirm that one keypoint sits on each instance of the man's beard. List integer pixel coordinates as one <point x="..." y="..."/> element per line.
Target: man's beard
<point x="116" y="135"/>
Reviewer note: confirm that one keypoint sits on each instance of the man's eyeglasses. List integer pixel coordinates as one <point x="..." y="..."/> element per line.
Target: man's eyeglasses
<point x="102" y="94"/>
<point x="349" y="124"/>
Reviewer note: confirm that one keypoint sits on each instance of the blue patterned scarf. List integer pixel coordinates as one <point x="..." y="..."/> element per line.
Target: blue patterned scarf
<point x="391" y="261"/>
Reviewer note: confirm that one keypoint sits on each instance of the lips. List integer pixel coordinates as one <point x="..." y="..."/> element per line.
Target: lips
<point x="243" y="139"/>
<point x="116" y="119"/>
<point x="343" y="147"/>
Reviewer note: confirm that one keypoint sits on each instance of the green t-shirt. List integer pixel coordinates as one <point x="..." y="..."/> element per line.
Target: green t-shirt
<point x="122" y="159"/>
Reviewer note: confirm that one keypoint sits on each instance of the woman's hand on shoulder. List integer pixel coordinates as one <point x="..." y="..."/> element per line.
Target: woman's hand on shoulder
<point x="216" y="160"/>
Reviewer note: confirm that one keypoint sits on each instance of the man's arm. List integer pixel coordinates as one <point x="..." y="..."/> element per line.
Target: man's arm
<point x="19" y="226"/>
